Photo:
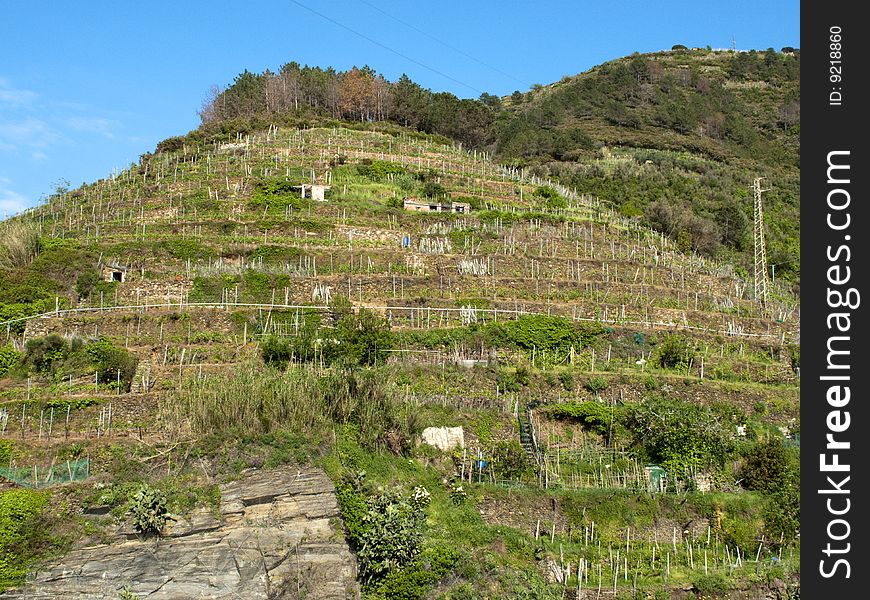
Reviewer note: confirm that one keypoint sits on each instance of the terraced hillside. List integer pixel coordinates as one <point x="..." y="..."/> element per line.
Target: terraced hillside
<point x="193" y="316"/>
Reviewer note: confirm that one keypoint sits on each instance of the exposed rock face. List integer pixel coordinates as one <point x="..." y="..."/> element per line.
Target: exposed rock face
<point x="444" y="438"/>
<point x="275" y="539"/>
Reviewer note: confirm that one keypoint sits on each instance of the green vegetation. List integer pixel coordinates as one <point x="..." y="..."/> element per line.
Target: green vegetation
<point x="148" y="509"/>
<point x="57" y="357"/>
<point x="275" y="195"/>
<point x="602" y="372"/>
<point x="359" y="339"/>
<point x="20" y="535"/>
<point x="256" y="401"/>
<point x="9" y="357"/>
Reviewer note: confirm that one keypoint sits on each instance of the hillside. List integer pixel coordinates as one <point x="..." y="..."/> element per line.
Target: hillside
<point x="199" y="319"/>
<point x="672" y="138"/>
<point x="676" y="137"/>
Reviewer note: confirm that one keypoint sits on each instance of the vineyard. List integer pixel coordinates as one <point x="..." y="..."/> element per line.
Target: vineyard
<point x="194" y="315"/>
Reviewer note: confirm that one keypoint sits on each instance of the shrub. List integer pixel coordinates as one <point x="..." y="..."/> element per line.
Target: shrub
<point x="252" y="400"/>
<point x="148" y="509"/>
<point x="713" y="584"/>
<point x="550" y="197"/>
<point x="597" y="417"/>
<point x="567" y="379"/>
<point x="19" y="509"/>
<point x="9" y="357"/>
<point x="596" y="385"/>
<point x="510" y="461"/>
<point x="765" y="467"/>
<point x="433" y="190"/>
<point x="681" y="435"/>
<point x="275" y="195"/>
<point x="543" y="333"/>
<point x="276" y="350"/>
<point x="7" y="450"/>
<point x="506" y="381"/>
<point x="112" y="363"/>
<point x="782" y="513"/>
<point x="362" y="339"/>
<point x="393" y="535"/>
<point x="41" y="354"/>
<point x="378" y="170"/>
<point x="675" y="351"/>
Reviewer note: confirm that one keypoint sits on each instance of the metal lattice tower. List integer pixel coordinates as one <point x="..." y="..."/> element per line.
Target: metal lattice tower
<point x="760" y="254"/>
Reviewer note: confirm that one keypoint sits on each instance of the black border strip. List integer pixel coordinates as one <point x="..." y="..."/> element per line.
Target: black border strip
<point x="833" y="119"/>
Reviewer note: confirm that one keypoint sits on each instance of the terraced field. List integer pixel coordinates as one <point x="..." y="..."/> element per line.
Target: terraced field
<point x="192" y="316"/>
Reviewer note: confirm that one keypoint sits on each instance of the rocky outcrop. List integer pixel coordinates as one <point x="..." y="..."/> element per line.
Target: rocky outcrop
<point x="275" y="538"/>
<point x="444" y="438"/>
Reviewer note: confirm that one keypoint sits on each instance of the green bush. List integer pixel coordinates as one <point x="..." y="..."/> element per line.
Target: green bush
<point x="714" y="584"/>
<point x="681" y="435"/>
<point x="43" y="354"/>
<point x="782" y="513"/>
<point x="595" y="385"/>
<point x="9" y="357"/>
<point x="390" y="535"/>
<point x="765" y="466"/>
<point x="567" y="380"/>
<point x="19" y="510"/>
<point x="184" y="249"/>
<point x="550" y="197"/>
<point x="406" y="584"/>
<point x="379" y="170"/>
<point x="543" y="333"/>
<point x="361" y="339"/>
<point x="112" y="363"/>
<point x="434" y="190"/>
<point x="602" y="419"/>
<point x="7" y="450"/>
<point x="148" y="509"/>
<point x="276" y="350"/>
<point x="86" y="282"/>
<point x="276" y="195"/>
<point x="510" y="461"/>
<point x="675" y="351"/>
<point x="507" y="381"/>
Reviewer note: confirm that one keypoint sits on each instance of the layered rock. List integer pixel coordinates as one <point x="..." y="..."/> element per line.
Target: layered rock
<point x="275" y="537"/>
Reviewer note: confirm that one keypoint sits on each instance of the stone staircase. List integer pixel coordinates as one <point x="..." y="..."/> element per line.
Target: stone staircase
<point x="527" y="435"/>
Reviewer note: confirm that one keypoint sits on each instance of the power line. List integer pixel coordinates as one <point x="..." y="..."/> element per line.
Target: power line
<point x="385" y="47"/>
<point x="445" y="44"/>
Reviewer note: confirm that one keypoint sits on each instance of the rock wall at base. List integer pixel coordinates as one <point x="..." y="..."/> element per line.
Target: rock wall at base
<point x="275" y="538"/>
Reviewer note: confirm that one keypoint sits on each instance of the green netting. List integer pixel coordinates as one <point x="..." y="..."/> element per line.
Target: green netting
<point x="37" y="477"/>
<point x="656" y="478"/>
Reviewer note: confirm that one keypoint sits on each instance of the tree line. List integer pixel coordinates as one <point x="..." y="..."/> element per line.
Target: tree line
<point x="358" y="94"/>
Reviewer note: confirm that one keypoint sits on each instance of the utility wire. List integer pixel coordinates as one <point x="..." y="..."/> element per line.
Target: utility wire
<point x="385" y="47"/>
<point x="445" y="44"/>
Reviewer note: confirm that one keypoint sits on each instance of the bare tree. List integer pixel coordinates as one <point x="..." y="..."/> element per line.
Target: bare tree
<point x="212" y="105"/>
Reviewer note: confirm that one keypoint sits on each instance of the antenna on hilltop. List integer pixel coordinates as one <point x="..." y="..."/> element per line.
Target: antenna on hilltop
<point x="760" y="255"/>
<point x="733" y="44"/>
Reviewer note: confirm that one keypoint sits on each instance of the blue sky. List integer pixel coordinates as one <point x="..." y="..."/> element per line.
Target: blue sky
<point x="86" y="87"/>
